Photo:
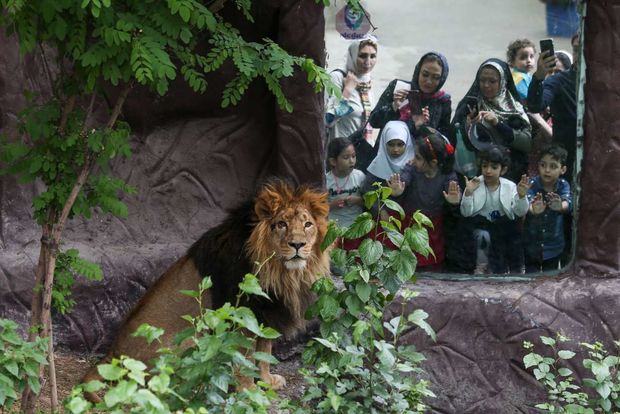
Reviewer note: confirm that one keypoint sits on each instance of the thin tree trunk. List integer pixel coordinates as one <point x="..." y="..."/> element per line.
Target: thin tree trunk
<point x="49" y="251"/>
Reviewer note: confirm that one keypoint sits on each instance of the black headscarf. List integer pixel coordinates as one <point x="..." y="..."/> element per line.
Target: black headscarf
<point x="445" y="69"/>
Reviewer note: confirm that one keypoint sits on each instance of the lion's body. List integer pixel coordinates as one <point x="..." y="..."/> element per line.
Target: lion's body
<point x="282" y="230"/>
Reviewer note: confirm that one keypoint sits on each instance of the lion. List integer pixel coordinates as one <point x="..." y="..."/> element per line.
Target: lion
<point x="282" y="231"/>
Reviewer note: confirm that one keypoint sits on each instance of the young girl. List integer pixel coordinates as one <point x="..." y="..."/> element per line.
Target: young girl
<point x="343" y="182"/>
<point x="395" y="149"/>
<point x="426" y="184"/>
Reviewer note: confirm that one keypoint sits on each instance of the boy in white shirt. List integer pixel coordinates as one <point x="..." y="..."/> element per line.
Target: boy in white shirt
<point x="495" y="205"/>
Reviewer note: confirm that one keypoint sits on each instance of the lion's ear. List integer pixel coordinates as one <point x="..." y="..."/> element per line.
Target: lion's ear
<point x="318" y="204"/>
<point x="267" y="203"/>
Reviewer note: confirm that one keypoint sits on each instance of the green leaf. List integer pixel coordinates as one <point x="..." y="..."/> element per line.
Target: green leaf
<point x="566" y="354"/>
<point x="370" y="251"/>
<point x="531" y="360"/>
<point x="363" y="291"/>
<point x="149" y="332"/>
<point x="360" y="227"/>
<point x="251" y="286"/>
<point x="120" y="393"/>
<point x="547" y="341"/>
<point x="393" y="205"/>
<point x="330" y="236"/>
<point x="565" y="372"/>
<point x="110" y="372"/>
<point x="418" y="317"/>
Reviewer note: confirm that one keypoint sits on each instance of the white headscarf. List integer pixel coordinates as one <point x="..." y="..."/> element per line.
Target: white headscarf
<point x="354" y="47"/>
<point x="383" y="166"/>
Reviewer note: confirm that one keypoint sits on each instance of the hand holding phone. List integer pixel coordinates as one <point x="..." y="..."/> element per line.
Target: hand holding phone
<point x="546" y="45"/>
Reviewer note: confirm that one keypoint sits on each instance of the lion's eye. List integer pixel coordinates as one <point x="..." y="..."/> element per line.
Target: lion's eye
<point x="308" y="224"/>
<point x="281" y="225"/>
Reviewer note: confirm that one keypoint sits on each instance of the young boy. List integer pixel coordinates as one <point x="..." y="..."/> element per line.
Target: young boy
<point x="550" y="202"/>
<point x="520" y="57"/>
<point x="495" y="204"/>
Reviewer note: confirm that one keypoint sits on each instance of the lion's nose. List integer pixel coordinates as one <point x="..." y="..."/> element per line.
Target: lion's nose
<point x="297" y="246"/>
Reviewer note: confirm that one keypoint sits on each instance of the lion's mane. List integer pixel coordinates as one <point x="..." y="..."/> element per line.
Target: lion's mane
<point x="241" y="243"/>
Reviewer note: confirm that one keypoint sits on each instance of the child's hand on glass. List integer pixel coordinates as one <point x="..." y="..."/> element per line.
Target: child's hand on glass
<point x="395" y="183"/>
<point x="538" y="205"/>
<point x="554" y="201"/>
<point x="471" y="185"/>
<point x="453" y="196"/>
<point x="523" y="186"/>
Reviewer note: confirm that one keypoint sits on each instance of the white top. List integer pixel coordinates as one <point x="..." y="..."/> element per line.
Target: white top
<point x="504" y="201"/>
<point x="340" y="188"/>
<point x="344" y="125"/>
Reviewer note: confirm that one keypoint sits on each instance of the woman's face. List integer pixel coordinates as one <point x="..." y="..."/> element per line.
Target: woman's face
<point x="366" y="59"/>
<point x="489" y="82"/>
<point x="430" y="75"/>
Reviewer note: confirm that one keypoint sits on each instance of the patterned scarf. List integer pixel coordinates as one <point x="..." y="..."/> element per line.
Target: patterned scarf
<point x="363" y="88"/>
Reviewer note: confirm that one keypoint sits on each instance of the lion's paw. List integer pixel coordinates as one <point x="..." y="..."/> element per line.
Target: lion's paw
<point x="277" y="381"/>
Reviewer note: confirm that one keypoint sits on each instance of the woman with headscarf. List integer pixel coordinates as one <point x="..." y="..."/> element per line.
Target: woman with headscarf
<point x="419" y="102"/>
<point x="491" y="113"/>
<point x="349" y="113"/>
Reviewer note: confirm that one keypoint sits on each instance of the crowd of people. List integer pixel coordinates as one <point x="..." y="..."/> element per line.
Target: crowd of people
<point x="517" y="121"/>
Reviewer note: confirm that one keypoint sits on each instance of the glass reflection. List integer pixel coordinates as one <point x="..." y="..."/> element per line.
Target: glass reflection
<point x="500" y="114"/>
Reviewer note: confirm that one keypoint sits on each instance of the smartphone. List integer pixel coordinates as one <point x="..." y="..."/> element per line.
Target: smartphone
<point x="546" y="45"/>
<point x="415" y="101"/>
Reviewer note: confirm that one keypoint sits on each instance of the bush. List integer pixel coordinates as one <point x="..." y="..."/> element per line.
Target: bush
<point x="563" y="393"/>
<point x="19" y="363"/>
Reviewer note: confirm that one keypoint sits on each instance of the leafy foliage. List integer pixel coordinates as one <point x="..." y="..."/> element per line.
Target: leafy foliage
<point x="148" y="41"/>
<point x="563" y="393"/>
<point x="361" y="367"/>
<point x="198" y="374"/>
<point x="68" y="265"/>
<point x="19" y="363"/>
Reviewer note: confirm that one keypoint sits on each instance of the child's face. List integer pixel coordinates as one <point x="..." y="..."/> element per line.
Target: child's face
<point x="550" y="170"/>
<point x="345" y="162"/>
<point x="395" y="148"/>
<point x="420" y="164"/>
<point x="524" y="60"/>
<point x="491" y="171"/>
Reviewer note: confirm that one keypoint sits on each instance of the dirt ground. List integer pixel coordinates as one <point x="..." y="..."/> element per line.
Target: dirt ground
<point x="70" y="367"/>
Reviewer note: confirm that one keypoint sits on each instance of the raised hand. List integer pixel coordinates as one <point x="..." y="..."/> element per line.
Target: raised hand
<point x="538" y="205"/>
<point x="554" y="201"/>
<point x="395" y="183"/>
<point x="523" y="186"/>
<point x="453" y="196"/>
<point x="544" y="65"/>
<point x="399" y="96"/>
<point x="471" y="185"/>
<point x="350" y="83"/>
<point x="422" y="118"/>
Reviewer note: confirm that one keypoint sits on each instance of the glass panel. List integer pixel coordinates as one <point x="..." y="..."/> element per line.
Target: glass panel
<point x="489" y="242"/>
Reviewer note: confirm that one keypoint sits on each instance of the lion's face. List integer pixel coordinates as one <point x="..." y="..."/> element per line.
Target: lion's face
<point x="292" y="225"/>
<point x="293" y="236"/>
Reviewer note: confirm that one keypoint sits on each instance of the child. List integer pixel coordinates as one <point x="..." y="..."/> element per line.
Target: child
<point x="495" y="204"/>
<point x="395" y="149"/>
<point x="426" y="184"/>
<point x="520" y="57"/>
<point x="550" y="201"/>
<point x="343" y="182"/>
